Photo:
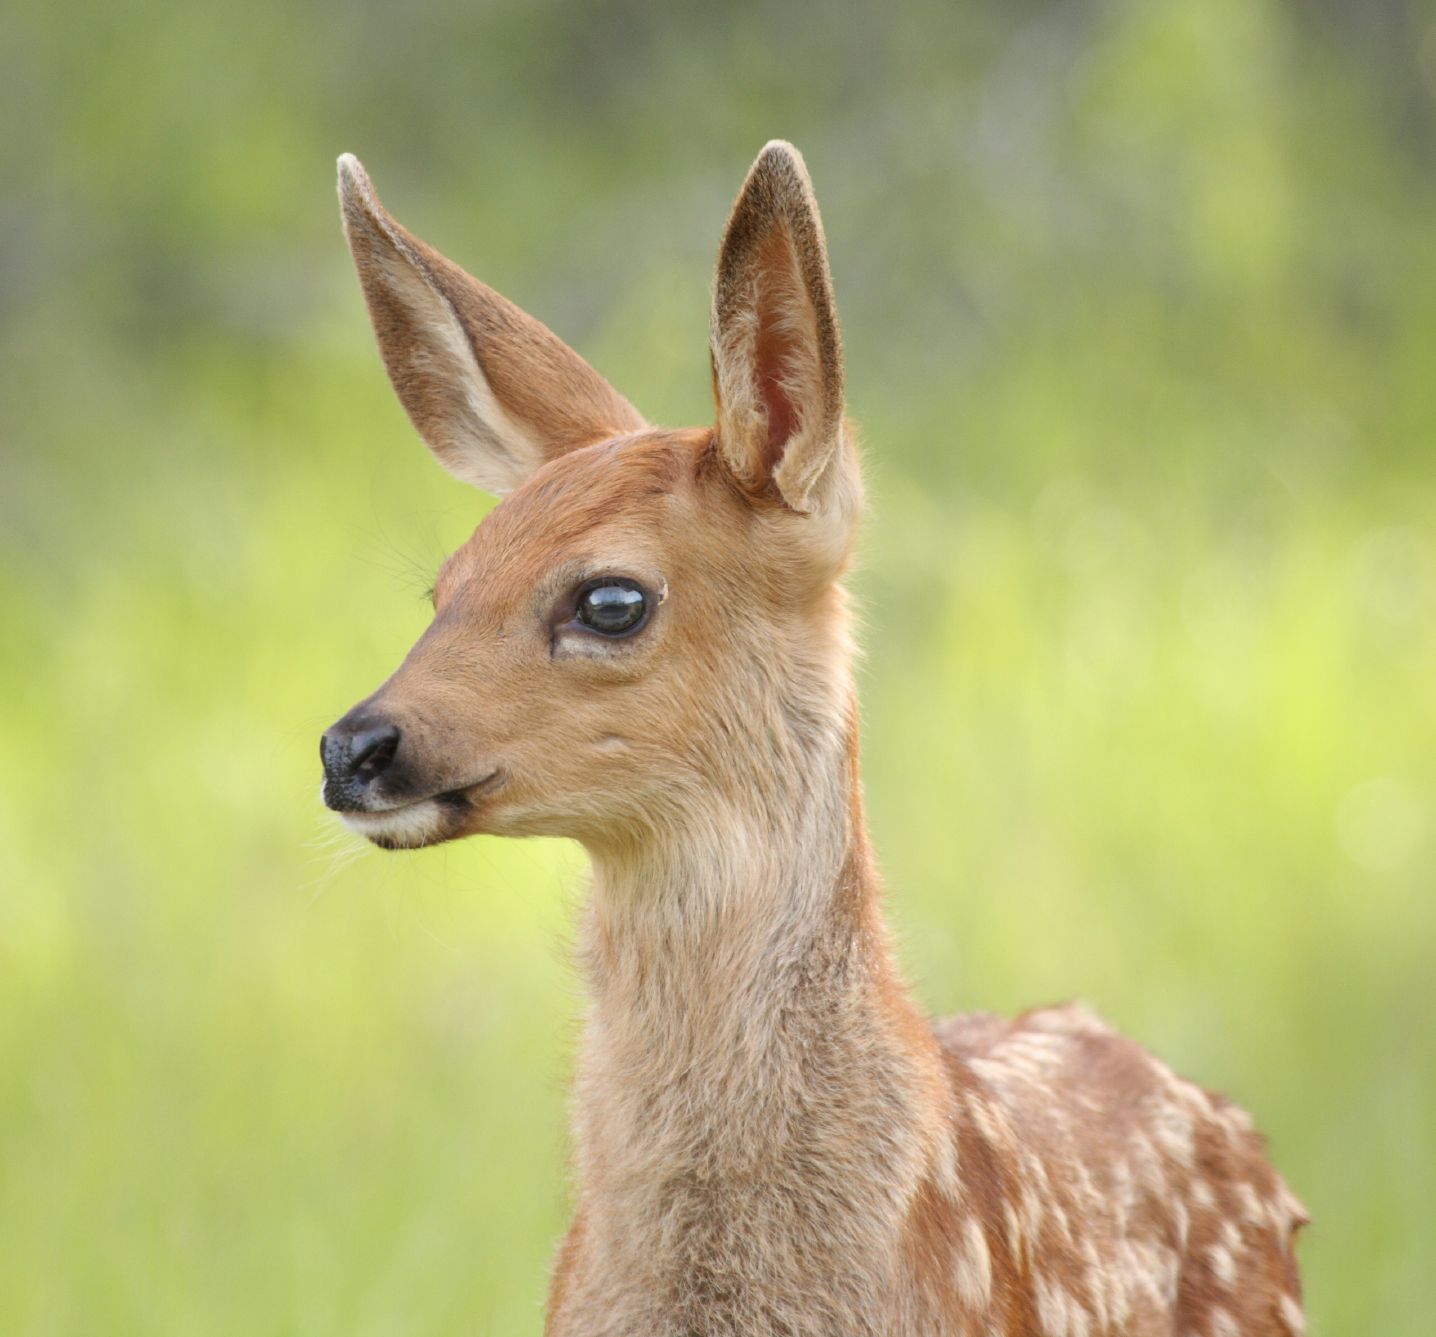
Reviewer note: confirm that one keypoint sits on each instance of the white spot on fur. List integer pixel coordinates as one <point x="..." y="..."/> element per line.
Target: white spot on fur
<point x="986" y="1119"/>
<point x="1224" y="1266"/>
<point x="1292" y="1316"/>
<point x="1060" y="1314"/>
<point x="1173" y="1126"/>
<point x="1237" y="1120"/>
<point x="1014" y="1231"/>
<point x="1124" y="1190"/>
<point x="1031" y="1212"/>
<point x="974" y="1266"/>
<point x="1151" y="1173"/>
<point x="1063" y="1222"/>
<point x="1253" y="1211"/>
<point x="1182" y="1220"/>
<point x="1152" y="1268"/>
<point x="1110" y="1292"/>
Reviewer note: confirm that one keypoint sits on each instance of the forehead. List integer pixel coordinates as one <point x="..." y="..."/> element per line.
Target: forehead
<point x="623" y="483"/>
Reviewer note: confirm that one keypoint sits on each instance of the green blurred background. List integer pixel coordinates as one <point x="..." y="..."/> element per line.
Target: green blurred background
<point x="1140" y="305"/>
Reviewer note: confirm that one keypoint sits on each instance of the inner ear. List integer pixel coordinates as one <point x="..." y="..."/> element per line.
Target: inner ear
<point x="785" y="329"/>
<point x="777" y="360"/>
<point x="493" y="392"/>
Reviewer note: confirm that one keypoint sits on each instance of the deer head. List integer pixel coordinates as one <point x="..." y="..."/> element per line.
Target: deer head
<point x="649" y="623"/>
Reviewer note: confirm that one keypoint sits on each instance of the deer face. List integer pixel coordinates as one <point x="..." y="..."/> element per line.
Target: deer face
<point x="647" y="615"/>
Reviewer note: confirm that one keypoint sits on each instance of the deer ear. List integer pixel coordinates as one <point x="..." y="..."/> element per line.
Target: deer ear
<point x="494" y="393"/>
<point x="777" y="355"/>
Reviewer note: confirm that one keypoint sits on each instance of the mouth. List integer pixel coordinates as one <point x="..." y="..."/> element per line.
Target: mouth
<point x="413" y="823"/>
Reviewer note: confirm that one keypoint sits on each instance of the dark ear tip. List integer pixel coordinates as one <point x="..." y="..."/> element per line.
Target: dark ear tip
<point x="781" y="177"/>
<point x="780" y="161"/>
<point x="779" y="150"/>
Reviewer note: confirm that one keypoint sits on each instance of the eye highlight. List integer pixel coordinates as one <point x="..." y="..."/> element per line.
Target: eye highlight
<point x="612" y="606"/>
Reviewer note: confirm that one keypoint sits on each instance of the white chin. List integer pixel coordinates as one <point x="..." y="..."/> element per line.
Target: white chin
<point x="400" y="828"/>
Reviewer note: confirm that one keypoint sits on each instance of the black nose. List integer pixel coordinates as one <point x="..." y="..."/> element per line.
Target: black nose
<point x="355" y="754"/>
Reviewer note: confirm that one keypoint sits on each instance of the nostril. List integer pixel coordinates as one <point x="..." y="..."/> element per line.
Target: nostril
<point x="357" y="755"/>
<point x="371" y="751"/>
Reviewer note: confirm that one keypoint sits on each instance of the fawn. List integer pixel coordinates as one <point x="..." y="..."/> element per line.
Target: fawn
<point x="645" y="647"/>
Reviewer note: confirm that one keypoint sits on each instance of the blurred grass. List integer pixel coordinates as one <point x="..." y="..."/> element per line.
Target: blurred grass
<point x="1140" y="325"/>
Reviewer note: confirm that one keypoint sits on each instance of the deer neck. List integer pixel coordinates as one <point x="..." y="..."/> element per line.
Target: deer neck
<point x="750" y="1056"/>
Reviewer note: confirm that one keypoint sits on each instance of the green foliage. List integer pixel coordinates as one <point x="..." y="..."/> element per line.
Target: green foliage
<point x="1140" y="331"/>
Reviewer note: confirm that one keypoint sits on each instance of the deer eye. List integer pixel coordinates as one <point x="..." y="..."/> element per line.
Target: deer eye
<point x="612" y="607"/>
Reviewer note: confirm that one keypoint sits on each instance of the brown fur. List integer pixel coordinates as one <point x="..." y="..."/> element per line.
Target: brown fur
<point x="769" y="1138"/>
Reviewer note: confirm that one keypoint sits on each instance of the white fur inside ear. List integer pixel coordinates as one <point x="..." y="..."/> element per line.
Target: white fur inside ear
<point x="766" y="341"/>
<point x="482" y="444"/>
<point x="743" y="426"/>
